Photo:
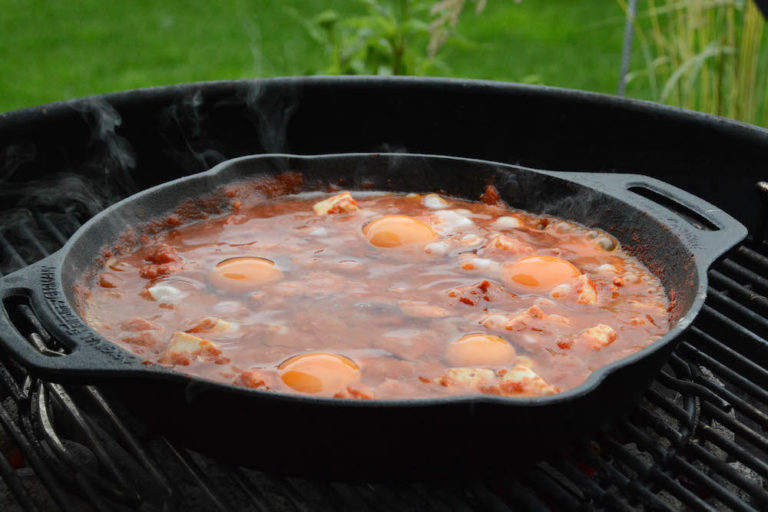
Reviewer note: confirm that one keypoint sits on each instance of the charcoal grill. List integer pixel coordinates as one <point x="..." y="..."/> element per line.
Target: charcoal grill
<point x="698" y="440"/>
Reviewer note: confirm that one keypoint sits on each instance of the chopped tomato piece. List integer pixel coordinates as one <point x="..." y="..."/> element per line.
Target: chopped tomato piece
<point x="139" y="324"/>
<point x="163" y="253"/>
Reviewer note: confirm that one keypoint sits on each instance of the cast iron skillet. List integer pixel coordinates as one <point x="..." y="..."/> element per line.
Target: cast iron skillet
<point x="677" y="235"/>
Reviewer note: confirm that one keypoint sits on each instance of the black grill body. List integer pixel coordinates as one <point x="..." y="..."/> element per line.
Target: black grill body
<point x="697" y="440"/>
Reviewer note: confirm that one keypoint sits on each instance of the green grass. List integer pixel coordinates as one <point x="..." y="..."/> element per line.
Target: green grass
<point x="53" y="50"/>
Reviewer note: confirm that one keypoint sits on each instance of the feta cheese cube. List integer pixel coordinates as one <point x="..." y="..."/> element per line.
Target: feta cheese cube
<point x="434" y="201"/>
<point x="184" y="347"/>
<point x="166" y="294"/>
<point x="340" y="203"/>
<point x="597" y="337"/>
<point x="521" y="380"/>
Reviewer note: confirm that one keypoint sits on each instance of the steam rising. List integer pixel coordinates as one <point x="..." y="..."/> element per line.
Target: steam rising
<point x="184" y="118"/>
<point x="38" y="213"/>
<point x="13" y="157"/>
<point x="270" y="114"/>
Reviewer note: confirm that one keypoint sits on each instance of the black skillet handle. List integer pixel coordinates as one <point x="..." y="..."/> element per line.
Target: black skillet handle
<point x="85" y="353"/>
<point x="707" y="230"/>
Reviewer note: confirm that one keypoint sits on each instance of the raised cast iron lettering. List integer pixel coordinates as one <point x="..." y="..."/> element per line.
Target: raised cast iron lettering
<point x="71" y="323"/>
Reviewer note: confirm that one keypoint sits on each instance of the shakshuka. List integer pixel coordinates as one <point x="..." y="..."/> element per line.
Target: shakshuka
<point x="379" y="295"/>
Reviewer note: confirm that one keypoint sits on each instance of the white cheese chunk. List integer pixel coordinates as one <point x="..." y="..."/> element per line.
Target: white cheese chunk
<point x="523" y="380"/>
<point x="450" y="220"/>
<point x="166" y="294"/>
<point x="434" y="201"/>
<point x="506" y="222"/>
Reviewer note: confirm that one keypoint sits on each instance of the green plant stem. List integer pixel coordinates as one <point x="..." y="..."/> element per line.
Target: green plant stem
<point x="399" y="47"/>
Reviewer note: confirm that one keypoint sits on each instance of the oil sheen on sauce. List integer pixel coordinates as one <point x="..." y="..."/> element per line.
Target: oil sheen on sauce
<point x="379" y="295"/>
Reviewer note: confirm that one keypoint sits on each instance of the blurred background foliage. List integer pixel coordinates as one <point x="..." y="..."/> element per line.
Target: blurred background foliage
<point x="707" y="55"/>
<point x="52" y="50"/>
<point x="702" y="54"/>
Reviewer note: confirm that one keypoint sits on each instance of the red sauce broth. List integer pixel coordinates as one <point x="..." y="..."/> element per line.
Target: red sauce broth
<point x="386" y="319"/>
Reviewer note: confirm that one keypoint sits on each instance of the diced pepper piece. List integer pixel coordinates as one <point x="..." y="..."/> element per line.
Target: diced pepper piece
<point x="256" y="379"/>
<point x="358" y="391"/>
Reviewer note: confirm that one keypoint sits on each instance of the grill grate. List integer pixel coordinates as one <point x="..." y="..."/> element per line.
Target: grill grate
<point x="698" y="440"/>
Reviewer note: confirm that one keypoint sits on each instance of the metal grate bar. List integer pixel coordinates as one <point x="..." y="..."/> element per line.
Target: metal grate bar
<point x="274" y="493"/>
<point x="121" y="492"/>
<point x="738" y="404"/>
<point x="728" y="374"/>
<point x="744" y="336"/>
<point x="752" y="256"/>
<point x="673" y="460"/>
<point x="9" y="384"/>
<point x="492" y="502"/>
<point x="550" y="490"/>
<point x="51" y="228"/>
<point x="657" y="399"/>
<point x="694" y="473"/>
<point x="8" y="474"/>
<point x="7" y="248"/>
<point x="735" y="426"/>
<point x="440" y="497"/>
<point x="738" y="311"/>
<point x="747" y="296"/>
<point x="657" y="475"/>
<point x="133" y="444"/>
<point x="357" y="497"/>
<point x="24" y="231"/>
<point x="514" y="495"/>
<point x="588" y="485"/>
<point x="405" y="495"/>
<point x="745" y="274"/>
<point x="201" y="480"/>
<point x="309" y="492"/>
<point x="31" y="456"/>
<point x="251" y="491"/>
<point x="734" y="450"/>
<point x="724" y="469"/>
<point x="707" y="343"/>
<point x="630" y="485"/>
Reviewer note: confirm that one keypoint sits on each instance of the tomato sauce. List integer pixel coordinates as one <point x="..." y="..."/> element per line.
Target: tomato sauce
<point x="378" y="295"/>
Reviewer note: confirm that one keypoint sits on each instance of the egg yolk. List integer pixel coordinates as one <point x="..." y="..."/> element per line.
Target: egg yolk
<point x="244" y="274"/>
<point x="537" y="273"/>
<point x="480" y="350"/>
<point x="319" y="373"/>
<point x="398" y="230"/>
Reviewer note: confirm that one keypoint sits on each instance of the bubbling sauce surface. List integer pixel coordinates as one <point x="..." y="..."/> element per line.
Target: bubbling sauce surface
<point x="379" y="295"/>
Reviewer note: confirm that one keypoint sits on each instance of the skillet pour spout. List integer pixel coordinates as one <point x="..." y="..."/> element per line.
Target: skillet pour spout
<point x="676" y="235"/>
